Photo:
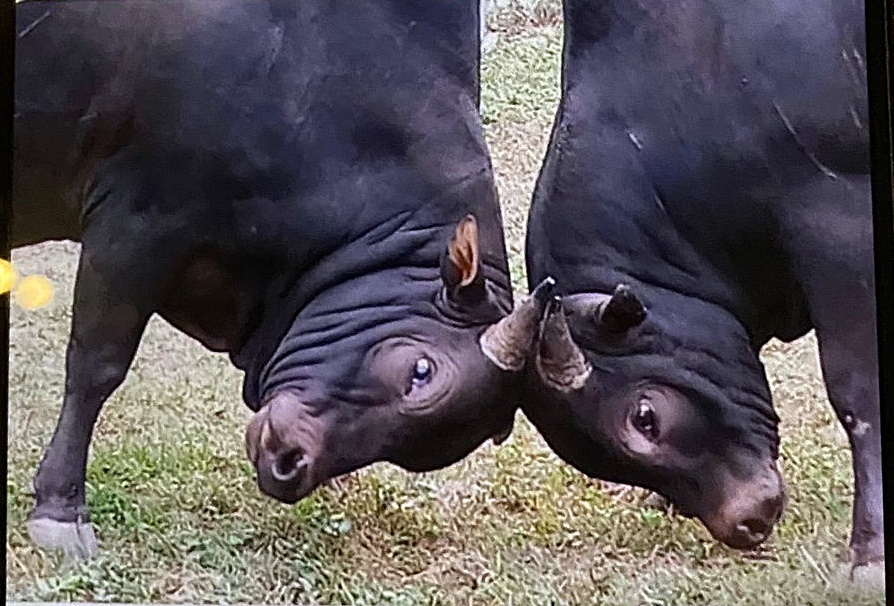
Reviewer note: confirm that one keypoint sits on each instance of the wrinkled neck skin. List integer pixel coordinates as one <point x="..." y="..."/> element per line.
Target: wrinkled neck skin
<point x="328" y="339"/>
<point x="386" y="277"/>
<point x="388" y="156"/>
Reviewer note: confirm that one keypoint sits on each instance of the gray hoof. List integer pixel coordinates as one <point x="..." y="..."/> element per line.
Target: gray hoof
<point x="866" y="578"/>
<point x="489" y="41"/>
<point x="869" y="577"/>
<point x="76" y="539"/>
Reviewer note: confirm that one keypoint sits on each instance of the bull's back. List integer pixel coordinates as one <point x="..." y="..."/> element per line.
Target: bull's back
<point x="696" y="120"/>
<point x="730" y="93"/>
<point x="159" y="81"/>
<point x="263" y="111"/>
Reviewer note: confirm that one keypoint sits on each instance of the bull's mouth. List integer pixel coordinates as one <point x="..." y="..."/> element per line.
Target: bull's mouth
<point x="287" y="498"/>
<point x="283" y="492"/>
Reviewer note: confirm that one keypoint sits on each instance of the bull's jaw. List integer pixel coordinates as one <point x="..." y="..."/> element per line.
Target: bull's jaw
<point x="502" y="435"/>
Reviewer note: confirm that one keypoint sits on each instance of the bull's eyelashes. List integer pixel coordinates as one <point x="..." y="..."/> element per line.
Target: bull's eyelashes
<point x="425" y="382"/>
<point x="461" y="264"/>
<point x="409" y="368"/>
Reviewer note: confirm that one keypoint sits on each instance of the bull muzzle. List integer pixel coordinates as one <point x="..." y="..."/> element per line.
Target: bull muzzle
<point x="750" y="510"/>
<point x="281" y="442"/>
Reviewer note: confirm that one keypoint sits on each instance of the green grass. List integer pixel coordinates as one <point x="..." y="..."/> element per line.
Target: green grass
<point x="181" y="520"/>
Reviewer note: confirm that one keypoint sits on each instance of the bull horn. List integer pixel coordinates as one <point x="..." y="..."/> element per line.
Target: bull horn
<point x="508" y="342"/>
<point x="618" y="312"/>
<point x="560" y="362"/>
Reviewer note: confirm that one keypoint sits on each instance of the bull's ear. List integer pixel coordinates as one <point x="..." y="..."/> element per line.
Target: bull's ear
<point x="461" y="265"/>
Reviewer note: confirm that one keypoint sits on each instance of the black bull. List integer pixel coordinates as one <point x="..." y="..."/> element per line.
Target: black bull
<point x="304" y="185"/>
<point x="706" y="188"/>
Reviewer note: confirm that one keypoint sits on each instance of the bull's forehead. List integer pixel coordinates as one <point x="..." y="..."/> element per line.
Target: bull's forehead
<point x="694" y="346"/>
<point x="701" y="390"/>
<point x="354" y="333"/>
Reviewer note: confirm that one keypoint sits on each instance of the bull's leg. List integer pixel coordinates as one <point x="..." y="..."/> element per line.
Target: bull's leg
<point x="106" y="328"/>
<point x="121" y="268"/>
<point x="831" y="236"/>
<point x="849" y="362"/>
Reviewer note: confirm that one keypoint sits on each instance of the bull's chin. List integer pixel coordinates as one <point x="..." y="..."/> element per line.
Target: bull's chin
<point x="287" y="494"/>
<point x="730" y="533"/>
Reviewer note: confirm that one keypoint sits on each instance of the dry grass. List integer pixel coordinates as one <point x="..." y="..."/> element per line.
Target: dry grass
<point x="181" y="520"/>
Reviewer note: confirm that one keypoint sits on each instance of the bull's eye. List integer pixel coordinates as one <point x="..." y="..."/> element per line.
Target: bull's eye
<point x="422" y="372"/>
<point x="644" y="420"/>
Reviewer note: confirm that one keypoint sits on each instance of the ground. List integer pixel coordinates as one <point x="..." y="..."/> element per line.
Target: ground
<point x="181" y="520"/>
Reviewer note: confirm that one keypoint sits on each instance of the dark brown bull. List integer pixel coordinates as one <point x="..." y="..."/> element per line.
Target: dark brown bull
<point x="304" y="185"/>
<point x="706" y="188"/>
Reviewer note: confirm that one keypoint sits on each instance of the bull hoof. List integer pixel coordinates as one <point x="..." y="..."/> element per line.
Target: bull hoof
<point x="869" y="577"/>
<point x="76" y="539"/>
<point x="861" y="579"/>
<point x="489" y="42"/>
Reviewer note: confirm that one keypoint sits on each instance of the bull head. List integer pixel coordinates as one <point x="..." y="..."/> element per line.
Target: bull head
<point x="560" y="362"/>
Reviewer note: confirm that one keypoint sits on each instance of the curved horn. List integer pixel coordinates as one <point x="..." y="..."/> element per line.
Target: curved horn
<point x="508" y="342"/>
<point x="620" y="311"/>
<point x="560" y="362"/>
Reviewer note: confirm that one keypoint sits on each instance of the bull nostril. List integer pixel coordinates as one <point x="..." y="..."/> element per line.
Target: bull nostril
<point x="755" y="528"/>
<point x="289" y="466"/>
<point x="771" y="509"/>
<point x="778" y="503"/>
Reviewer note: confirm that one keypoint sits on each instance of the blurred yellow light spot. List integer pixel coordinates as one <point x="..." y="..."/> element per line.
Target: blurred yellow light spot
<point x="8" y="276"/>
<point x="33" y="292"/>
